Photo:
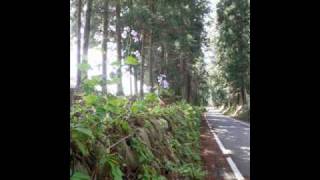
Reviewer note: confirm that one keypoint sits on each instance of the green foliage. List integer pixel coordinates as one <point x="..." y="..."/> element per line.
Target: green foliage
<point x="232" y="70"/>
<point x="151" y="99"/>
<point x="130" y="60"/>
<point x="84" y="67"/>
<point x="154" y="134"/>
<point x="144" y="153"/>
<point x="112" y="162"/>
<point x="166" y="93"/>
<point x="138" y="107"/>
<point x="89" y="85"/>
<point x="173" y="128"/>
<point x="80" y="176"/>
<point x="90" y="99"/>
<point x="191" y="170"/>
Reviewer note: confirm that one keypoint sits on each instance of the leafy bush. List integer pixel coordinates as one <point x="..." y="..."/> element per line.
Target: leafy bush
<point x="113" y="138"/>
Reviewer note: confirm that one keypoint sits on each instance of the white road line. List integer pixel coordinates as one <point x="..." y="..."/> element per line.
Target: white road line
<point x="235" y="170"/>
<point x="225" y="151"/>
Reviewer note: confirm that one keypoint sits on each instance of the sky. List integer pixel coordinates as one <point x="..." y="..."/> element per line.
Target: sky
<point x="95" y="58"/>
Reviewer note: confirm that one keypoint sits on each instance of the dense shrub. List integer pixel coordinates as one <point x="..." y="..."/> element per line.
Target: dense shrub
<point x="116" y="138"/>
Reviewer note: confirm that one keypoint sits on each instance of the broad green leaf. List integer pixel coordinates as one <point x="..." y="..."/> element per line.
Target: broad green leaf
<point x="84" y="131"/>
<point x="130" y="60"/>
<point x="84" y="67"/>
<point x="90" y="99"/>
<point x="116" y="172"/>
<point x="151" y="98"/>
<point x="138" y="106"/>
<point x="82" y="147"/>
<point x="80" y="176"/>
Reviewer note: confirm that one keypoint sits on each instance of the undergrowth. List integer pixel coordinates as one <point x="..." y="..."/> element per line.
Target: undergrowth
<point x="243" y="112"/>
<point x="117" y="138"/>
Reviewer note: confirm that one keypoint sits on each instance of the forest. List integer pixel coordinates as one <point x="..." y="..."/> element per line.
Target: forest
<point x="153" y="131"/>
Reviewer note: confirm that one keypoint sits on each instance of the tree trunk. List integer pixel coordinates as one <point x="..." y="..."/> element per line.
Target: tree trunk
<point x="105" y="47"/>
<point x="162" y="58"/>
<point x="188" y="88"/>
<point x="186" y="79"/>
<point x="195" y="91"/>
<point x="151" y="6"/>
<point x="166" y="59"/>
<point x="131" y="67"/>
<point x="79" y="42"/>
<point x="151" y="63"/>
<point x="135" y="80"/>
<point x="130" y="70"/>
<point x="86" y="35"/>
<point x="142" y="64"/>
<point x="243" y="95"/>
<point x="118" y="32"/>
<point x="182" y="76"/>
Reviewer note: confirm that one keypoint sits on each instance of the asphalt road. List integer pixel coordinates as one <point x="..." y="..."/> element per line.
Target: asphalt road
<point x="235" y="136"/>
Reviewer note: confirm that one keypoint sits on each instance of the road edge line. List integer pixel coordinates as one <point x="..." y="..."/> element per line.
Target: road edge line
<point x="225" y="151"/>
<point x="235" y="169"/>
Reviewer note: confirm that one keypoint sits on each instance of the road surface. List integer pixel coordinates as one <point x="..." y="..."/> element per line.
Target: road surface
<point x="235" y="136"/>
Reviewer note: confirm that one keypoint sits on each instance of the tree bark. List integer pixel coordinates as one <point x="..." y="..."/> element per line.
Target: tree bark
<point x="79" y="10"/>
<point x="130" y="70"/>
<point x="182" y="76"/>
<point x="105" y="47"/>
<point x="165" y="59"/>
<point x="151" y="63"/>
<point x="135" y="80"/>
<point x="87" y="35"/>
<point x="151" y="6"/>
<point x="188" y="88"/>
<point x="118" y="32"/>
<point x="142" y="64"/>
<point x="186" y="79"/>
<point x="243" y="95"/>
<point x="162" y="59"/>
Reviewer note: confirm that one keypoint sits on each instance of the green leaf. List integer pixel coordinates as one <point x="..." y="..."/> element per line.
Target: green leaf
<point x="84" y="131"/>
<point x="82" y="147"/>
<point x="151" y="98"/>
<point x="90" y="99"/>
<point x="80" y="176"/>
<point x="84" y="67"/>
<point x="116" y="172"/>
<point x="130" y="60"/>
<point x="138" y="106"/>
